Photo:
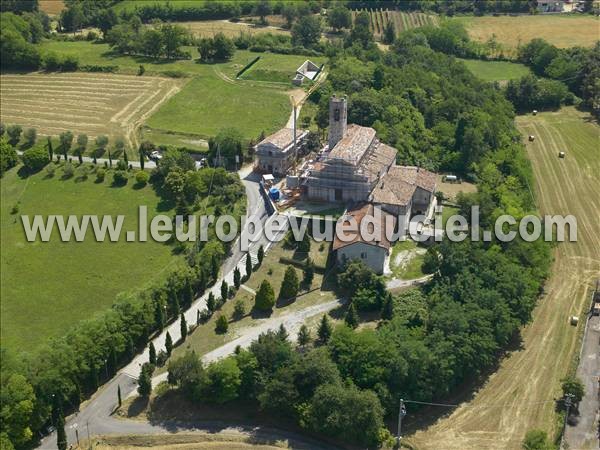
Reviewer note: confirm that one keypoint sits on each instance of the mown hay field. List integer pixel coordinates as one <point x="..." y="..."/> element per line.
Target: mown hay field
<point x="208" y="28"/>
<point x="94" y="104"/>
<point x="402" y="21"/>
<point x="561" y="30"/>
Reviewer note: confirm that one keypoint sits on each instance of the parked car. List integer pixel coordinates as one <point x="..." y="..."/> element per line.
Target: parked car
<point x="155" y="156"/>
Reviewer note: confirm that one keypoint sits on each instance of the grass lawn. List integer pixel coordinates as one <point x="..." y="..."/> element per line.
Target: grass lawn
<point x="208" y="104"/>
<point x="277" y="68"/>
<point x="204" y="338"/>
<point x="411" y="255"/>
<point x="495" y="70"/>
<point x="561" y="30"/>
<point x="191" y="143"/>
<point x="47" y="286"/>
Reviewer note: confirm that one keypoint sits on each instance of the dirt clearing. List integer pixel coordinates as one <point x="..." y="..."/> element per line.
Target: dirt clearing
<point x="519" y="395"/>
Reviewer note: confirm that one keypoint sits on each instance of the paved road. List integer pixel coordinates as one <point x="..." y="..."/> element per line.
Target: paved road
<point x="584" y="434"/>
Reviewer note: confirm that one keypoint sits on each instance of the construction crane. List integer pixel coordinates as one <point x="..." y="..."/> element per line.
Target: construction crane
<point x="295" y="105"/>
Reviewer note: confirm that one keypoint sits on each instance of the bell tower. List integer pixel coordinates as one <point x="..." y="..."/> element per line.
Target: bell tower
<point x="338" y="119"/>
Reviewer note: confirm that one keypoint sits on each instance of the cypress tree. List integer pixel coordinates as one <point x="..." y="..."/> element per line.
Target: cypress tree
<point x="224" y="291"/>
<point x="61" y="436"/>
<point x="282" y="333"/>
<point x="197" y="317"/>
<point x="248" y="265"/>
<point x="175" y="309"/>
<point x="119" y="395"/>
<point x="237" y="278"/>
<point x="112" y="360"/>
<point x="261" y="254"/>
<point x="145" y="380"/>
<point x="210" y="302"/>
<point x="141" y="159"/>
<point x="109" y="159"/>
<point x="214" y="268"/>
<point x="324" y="331"/>
<point x="308" y="273"/>
<point x="303" y="335"/>
<point x="125" y="157"/>
<point x="183" y="328"/>
<point x="188" y="293"/>
<point x="202" y="281"/>
<point x="50" y="150"/>
<point x="130" y="347"/>
<point x="289" y="285"/>
<point x="351" y="318"/>
<point x="387" y="310"/>
<point x="159" y="315"/>
<point x="168" y="344"/>
<point x="152" y="353"/>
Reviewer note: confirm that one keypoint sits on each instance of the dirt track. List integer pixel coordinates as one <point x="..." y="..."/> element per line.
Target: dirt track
<point x="519" y="396"/>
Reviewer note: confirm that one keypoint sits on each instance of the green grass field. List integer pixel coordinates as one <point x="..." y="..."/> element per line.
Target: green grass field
<point x="130" y="5"/>
<point x="46" y="286"/>
<point x="277" y="68"/>
<point x="495" y="70"/>
<point x="208" y="104"/>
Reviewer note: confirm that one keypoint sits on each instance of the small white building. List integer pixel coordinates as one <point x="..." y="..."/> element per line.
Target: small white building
<point x="358" y="246"/>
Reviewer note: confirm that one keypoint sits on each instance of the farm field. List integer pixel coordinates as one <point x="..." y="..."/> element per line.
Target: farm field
<point x="46" y="286"/>
<point x="208" y="28"/>
<point x="130" y="5"/>
<point x="402" y="21"/>
<point x="527" y="381"/>
<point x="495" y="70"/>
<point x="94" y="104"/>
<point x="561" y="30"/>
<point x="52" y="7"/>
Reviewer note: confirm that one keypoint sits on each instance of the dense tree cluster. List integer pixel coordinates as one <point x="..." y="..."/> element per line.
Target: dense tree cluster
<point x="161" y="41"/>
<point x="576" y="68"/>
<point x="18" y="34"/>
<point x="218" y="48"/>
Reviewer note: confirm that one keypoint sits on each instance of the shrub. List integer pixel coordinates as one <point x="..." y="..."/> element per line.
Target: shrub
<point x="239" y="310"/>
<point x="120" y="177"/>
<point x="35" y="159"/>
<point x="222" y="325"/>
<point x="30" y="136"/>
<point x="265" y="297"/>
<point x="68" y="170"/>
<point x="142" y="178"/>
<point x="14" y="134"/>
<point x="8" y="156"/>
<point x="50" y="170"/>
